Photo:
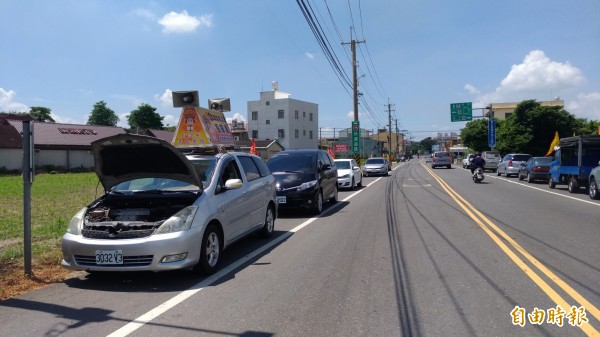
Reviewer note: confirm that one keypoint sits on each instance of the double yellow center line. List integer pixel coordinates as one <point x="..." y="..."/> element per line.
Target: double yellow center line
<point x="496" y="234"/>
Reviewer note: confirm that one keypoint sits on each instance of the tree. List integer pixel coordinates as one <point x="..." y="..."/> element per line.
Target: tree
<point x="102" y="115"/>
<point x="145" y="117"/>
<point x="41" y="114"/>
<point x="475" y="135"/>
<point x="531" y="128"/>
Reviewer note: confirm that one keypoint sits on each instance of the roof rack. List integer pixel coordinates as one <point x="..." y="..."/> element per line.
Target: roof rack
<point x="207" y="150"/>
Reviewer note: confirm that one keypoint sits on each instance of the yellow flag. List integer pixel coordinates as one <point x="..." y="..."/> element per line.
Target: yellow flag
<point x="554" y="143"/>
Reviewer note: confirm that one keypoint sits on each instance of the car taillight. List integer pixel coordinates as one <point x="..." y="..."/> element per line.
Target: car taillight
<point x="540" y="169"/>
<point x="510" y="163"/>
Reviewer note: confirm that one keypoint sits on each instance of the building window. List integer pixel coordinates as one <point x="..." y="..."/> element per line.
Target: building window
<point x="303" y="114"/>
<point x="297" y="133"/>
<point x="310" y="116"/>
<point x="280" y="133"/>
<point x="267" y="103"/>
<point x="310" y="134"/>
<point x="296" y="114"/>
<point x="280" y="114"/>
<point x="254" y="115"/>
<point x="304" y="133"/>
<point x="255" y="134"/>
<point x="268" y="121"/>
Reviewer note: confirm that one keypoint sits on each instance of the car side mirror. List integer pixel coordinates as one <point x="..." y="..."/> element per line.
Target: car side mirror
<point x="355" y="168"/>
<point x="325" y="167"/>
<point x="233" y="184"/>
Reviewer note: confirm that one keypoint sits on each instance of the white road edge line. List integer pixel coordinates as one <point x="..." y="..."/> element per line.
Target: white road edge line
<point x="182" y="296"/>
<point x="546" y="191"/>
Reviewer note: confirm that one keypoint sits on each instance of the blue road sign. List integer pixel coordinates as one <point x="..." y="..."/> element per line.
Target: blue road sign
<point x="491" y="132"/>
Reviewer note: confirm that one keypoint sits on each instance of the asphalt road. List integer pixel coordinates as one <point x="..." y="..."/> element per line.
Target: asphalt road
<point x="420" y="252"/>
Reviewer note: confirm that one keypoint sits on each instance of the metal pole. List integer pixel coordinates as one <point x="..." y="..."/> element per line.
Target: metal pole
<point x="27" y="180"/>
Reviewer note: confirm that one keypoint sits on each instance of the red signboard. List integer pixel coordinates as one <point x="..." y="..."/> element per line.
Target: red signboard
<point x="340" y="147"/>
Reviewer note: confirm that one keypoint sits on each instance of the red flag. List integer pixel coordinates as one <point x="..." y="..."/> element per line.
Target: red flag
<point x="331" y="153"/>
<point x="253" y="147"/>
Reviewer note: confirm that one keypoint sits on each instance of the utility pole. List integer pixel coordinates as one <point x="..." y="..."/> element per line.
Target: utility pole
<point x="397" y="138"/>
<point x="356" y="134"/>
<point x="389" y="129"/>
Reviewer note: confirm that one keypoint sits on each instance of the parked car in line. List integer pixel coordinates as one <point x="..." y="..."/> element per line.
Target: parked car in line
<point x="511" y="164"/>
<point x="536" y="168"/>
<point x="376" y="166"/>
<point x="163" y="210"/>
<point x="466" y="162"/>
<point x="492" y="158"/>
<point x="594" y="181"/>
<point x="349" y="174"/>
<point x="441" y="158"/>
<point x="305" y="179"/>
<point x="428" y="159"/>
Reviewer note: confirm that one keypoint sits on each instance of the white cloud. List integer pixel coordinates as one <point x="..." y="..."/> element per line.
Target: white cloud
<point x="309" y="56"/>
<point x="166" y="99"/>
<point x="537" y="77"/>
<point x="170" y="120"/>
<point x="587" y="105"/>
<point x="7" y="103"/>
<point x="183" y="22"/>
<point x="239" y="117"/>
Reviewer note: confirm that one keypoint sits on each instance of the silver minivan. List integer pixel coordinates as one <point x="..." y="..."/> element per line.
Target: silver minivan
<point x="492" y="158"/>
<point x="441" y="158"/>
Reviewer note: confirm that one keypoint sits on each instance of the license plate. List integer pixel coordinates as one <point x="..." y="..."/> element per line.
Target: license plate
<point x="109" y="257"/>
<point x="281" y="200"/>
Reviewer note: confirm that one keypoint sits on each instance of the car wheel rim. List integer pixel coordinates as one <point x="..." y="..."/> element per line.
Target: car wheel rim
<point x="269" y="220"/>
<point x="593" y="189"/>
<point x="212" y="249"/>
<point x="320" y="202"/>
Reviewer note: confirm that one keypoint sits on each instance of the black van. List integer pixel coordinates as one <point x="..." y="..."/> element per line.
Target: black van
<point x="305" y="178"/>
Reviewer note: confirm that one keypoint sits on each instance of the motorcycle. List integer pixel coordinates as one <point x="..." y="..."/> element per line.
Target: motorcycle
<point x="478" y="175"/>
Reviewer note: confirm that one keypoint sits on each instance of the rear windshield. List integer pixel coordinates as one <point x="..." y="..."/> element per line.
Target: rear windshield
<point x="521" y="157"/>
<point x="542" y="161"/>
<point x="492" y="155"/>
<point x="374" y="161"/>
<point x="442" y="154"/>
<point x="342" y="164"/>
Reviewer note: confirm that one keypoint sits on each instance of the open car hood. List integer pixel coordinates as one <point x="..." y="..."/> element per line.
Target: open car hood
<point x="125" y="157"/>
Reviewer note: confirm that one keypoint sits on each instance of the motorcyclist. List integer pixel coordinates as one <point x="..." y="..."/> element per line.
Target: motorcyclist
<point x="477" y="162"/>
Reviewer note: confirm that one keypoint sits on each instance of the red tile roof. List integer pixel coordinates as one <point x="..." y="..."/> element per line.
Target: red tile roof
<point x="67" y="135"/>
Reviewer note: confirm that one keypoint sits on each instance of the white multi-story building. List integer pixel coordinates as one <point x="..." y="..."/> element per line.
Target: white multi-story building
<point x="292" y="122"/>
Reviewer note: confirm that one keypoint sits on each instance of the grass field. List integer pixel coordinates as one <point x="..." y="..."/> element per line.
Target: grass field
<point x="55" y="198"/>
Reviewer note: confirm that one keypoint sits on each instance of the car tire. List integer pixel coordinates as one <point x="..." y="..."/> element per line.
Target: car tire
<point x="449" y="166"/>
<point x="593" y="191"/>
<point x="573" y="185"/>
<point x="529" y="177"/>
<point x="520" y="176"/>
<point x="210" y="251"/>
<point x="269" y="226"/>
<point x="498" y="173"/>
<point x="352" y="185"/>
<point x="551" y="183"/>
<point x="334" y="198"/>
<point x="360" y="182"/>
<point x="318" y="207"/>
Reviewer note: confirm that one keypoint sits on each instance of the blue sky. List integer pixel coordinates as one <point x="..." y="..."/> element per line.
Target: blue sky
<point x="420" y="55"/>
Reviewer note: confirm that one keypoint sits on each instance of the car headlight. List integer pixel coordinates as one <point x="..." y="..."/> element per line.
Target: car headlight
<point x="345" y="176"/>
<point x="307" y="185"/>
<point x="181" y="221"/>
<point x="77" y="222"/>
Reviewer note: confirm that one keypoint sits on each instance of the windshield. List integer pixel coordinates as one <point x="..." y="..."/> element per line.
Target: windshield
<point x="205" y="168"/>
<point x="375" y="161"/>
<point x="292" y="163"/>
<point x="342" y="164"/>
<point x="154" y="184"/>
<point x="542" y="161"/>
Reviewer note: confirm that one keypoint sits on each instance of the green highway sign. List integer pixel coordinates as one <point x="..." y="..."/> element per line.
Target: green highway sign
<point x="461" y="112"/>
<point x="356" y="137"/>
